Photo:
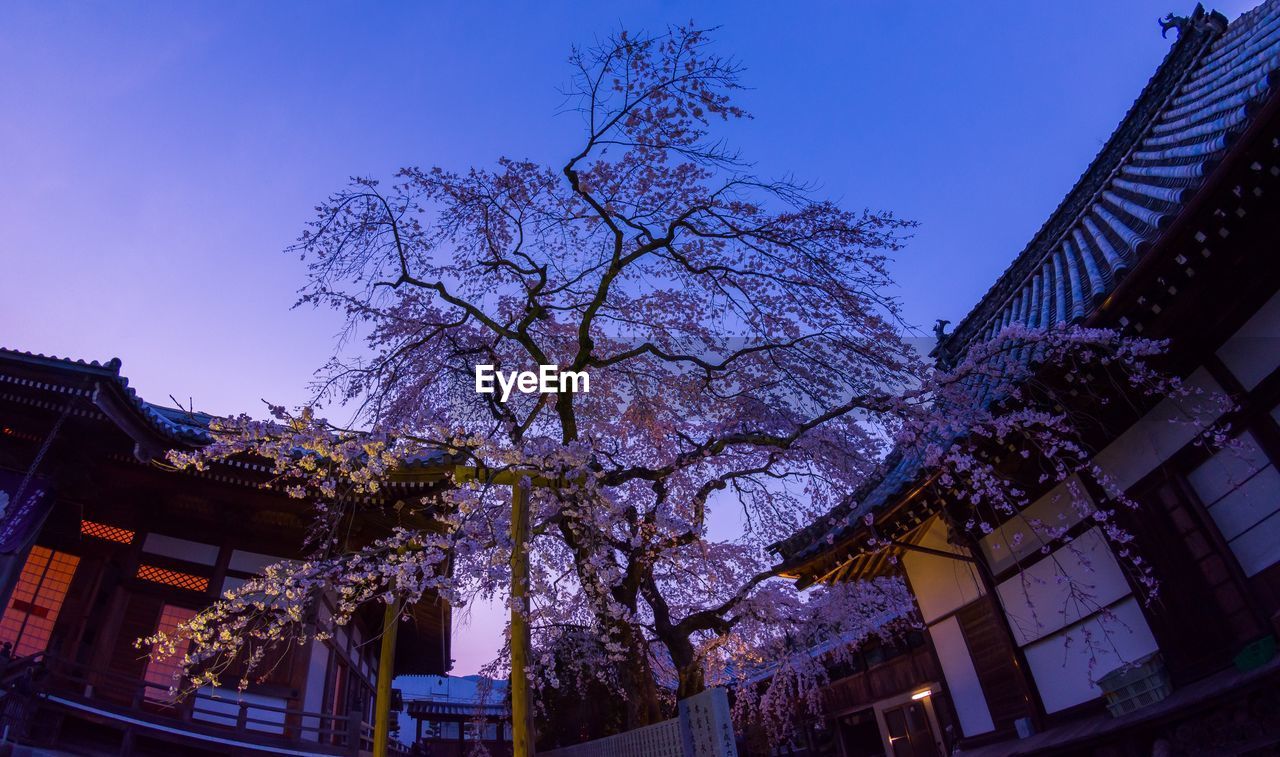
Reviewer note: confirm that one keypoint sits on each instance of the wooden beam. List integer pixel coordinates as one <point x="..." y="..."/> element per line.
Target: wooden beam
<point x="510" y="477"/>
<point x="931" y="551"/>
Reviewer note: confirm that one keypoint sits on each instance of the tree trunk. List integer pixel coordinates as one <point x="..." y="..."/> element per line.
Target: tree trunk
<point x="643" y="706"/>
<point x="635" y="674"/>
<point x="688" y="668"/>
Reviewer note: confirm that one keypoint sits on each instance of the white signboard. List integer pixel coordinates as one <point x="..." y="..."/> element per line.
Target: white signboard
<point x="706" y="725"/>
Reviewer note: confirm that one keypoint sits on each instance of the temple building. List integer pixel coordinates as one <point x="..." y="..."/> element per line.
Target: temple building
<point x="1170" y="233"/>
<point x="449" y="717"/>
<point x="102" y="542"/>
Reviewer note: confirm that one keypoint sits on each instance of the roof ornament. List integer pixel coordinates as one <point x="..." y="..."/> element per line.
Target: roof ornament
<point x="1200" y="20"/>
<point x="940" y="329"/>
<point x="1171" y="21"/>
<point x="939" y="352"/>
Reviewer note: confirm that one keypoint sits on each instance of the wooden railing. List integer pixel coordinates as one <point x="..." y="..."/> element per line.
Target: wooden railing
<point x="204" y="716"/>
<point x="366" y="741"/>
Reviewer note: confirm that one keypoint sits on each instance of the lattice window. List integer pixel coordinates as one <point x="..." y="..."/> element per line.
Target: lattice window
<point x="173" y="578"/>
<point x="163" y="672"/>
<point x="37" y="599"/>
<point x="109" y="533"/>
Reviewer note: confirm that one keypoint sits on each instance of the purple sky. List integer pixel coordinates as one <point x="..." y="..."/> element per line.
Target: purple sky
<point x="154" y="160"/>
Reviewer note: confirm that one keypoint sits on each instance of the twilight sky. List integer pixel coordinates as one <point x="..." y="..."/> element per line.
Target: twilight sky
<point x="155" y="159"/>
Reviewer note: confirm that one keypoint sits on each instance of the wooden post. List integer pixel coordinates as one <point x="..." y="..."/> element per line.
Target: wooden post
<point x="386" y="666"/>
<point x="521" y="738"/>
<point x="521" y="721"/>
<point x="354" y="721"/>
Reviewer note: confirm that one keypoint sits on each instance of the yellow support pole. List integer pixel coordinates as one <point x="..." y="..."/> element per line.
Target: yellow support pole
<point x="521" y="718"/>
<point x="521" y="736"/>
<point x="386" y="670"/>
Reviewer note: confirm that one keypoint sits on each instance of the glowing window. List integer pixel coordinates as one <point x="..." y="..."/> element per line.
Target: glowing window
<point x="103" y="531"/>
<point x="33" y="608"/>
<point x="173" y="578"/>
<point x="163" y="672"/>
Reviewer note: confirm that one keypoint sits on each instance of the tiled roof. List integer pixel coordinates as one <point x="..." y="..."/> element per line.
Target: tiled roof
<point x="177" y="426"/>
<point x="426" y="709"/>
<point x="1199" y="101"/>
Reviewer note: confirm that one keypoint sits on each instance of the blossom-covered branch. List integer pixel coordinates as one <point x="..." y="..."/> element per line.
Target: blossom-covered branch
<point x="750" y="372"/>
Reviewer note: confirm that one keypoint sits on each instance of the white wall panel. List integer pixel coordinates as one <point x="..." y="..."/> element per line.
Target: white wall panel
<point x="1253" y="352"/>
<point x="941" y="584"/>
<point x="1258" y="548"/>
<point x="1227" y="469"/>
<point x="1250" y="503"/>
<point x="180" y="549"/>
<point x="1062" y="507"/>
<point x="1066" y="664"/>
<point x="1075" y="581"/>
<point x="226" y="708"/>
<point x="1241" y="490"/>
<point x="1166" y="429"/>
<point x="251" y="562"/>
<point x="962" y="679"/>
<point x="313" y="694"/>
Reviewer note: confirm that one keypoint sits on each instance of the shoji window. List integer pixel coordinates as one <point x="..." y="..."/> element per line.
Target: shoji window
<point x="1241" y="489"/>
<point x="162" y="672"/>
<point x="33" y="609"/>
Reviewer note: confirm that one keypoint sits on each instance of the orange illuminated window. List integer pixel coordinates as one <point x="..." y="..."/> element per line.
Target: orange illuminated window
<point x="103" y="531"/>
<point x="33" y="608"/>
<point x="163" y="672"/>
<point x="173" y="578"/>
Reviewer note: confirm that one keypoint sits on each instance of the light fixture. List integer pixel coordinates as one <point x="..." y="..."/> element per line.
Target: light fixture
<point x="922" y="694"/>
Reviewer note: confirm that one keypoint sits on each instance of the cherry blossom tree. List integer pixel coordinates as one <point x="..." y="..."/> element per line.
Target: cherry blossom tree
<point x="748" y="371"/>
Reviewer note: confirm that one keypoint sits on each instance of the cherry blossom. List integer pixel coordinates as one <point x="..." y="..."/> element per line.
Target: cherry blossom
<point x="748" y="365"/>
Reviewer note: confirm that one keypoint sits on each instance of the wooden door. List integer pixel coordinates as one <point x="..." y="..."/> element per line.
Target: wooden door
<point x="994" y="661"/>
<point x="909" y="731"/>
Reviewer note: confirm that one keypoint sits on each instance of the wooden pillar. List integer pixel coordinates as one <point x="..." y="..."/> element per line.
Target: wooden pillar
<point x="354" y="721"/>
<point x="521" y="738"/>
<point x="521" y="721"/>
<point x="386" y="671"/>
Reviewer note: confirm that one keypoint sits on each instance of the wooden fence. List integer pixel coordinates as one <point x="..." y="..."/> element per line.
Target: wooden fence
<point x="703" y="729"/>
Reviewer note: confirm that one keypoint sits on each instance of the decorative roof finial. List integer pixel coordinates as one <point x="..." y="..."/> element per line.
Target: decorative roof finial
<point x="939" y="352"/>
<point x="1200" y="21"/>
<point x="1171" y="21"/>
